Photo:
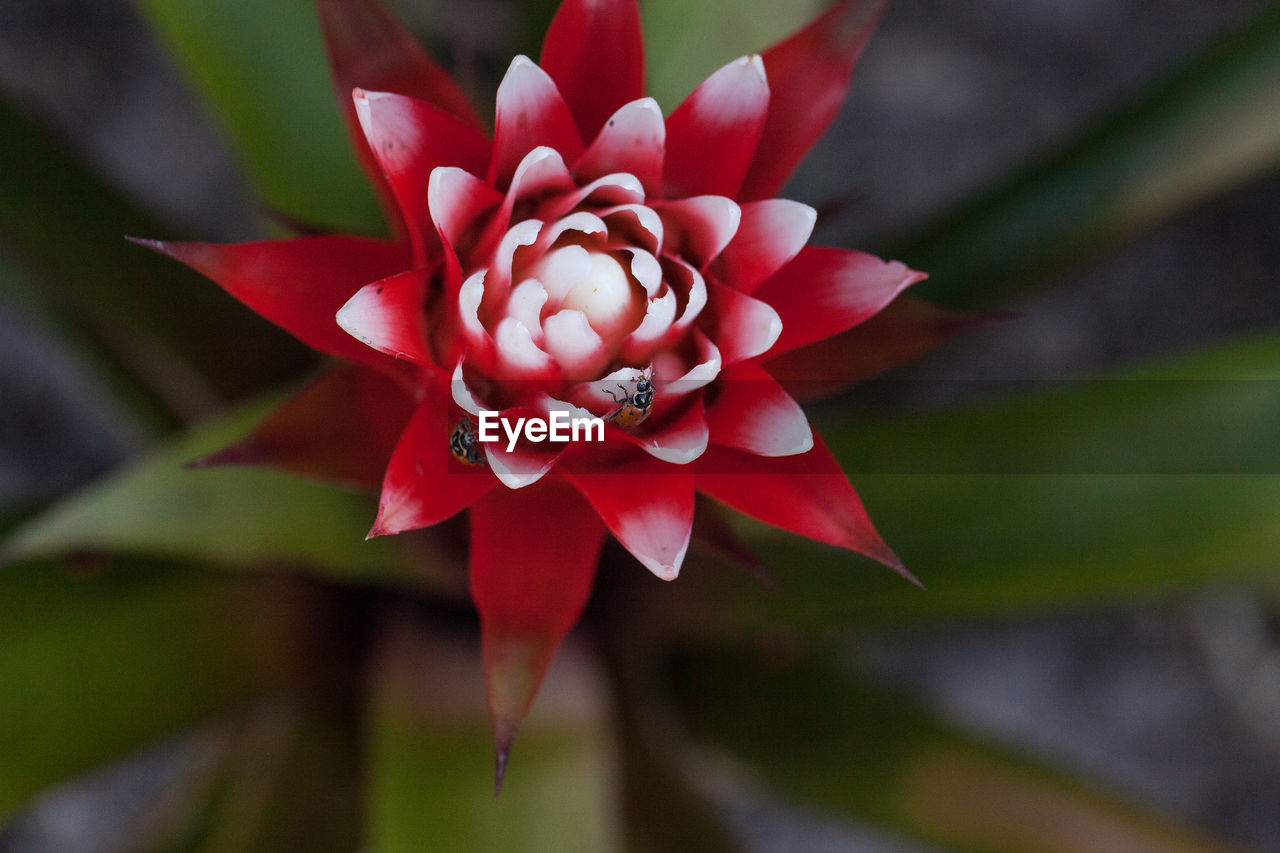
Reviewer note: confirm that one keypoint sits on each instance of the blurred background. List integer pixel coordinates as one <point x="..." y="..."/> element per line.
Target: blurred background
<point x="1100" y="618"/>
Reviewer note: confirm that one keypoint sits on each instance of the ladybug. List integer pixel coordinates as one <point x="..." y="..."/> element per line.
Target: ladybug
<point x="635" y="403"/>
<point x="464" y="443"/>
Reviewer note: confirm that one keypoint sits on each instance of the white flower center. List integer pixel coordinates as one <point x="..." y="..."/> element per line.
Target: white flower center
<point x="600" y="288"/>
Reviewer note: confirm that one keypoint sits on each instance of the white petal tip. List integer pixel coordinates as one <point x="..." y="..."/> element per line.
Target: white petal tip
<point x="349" y="317"/>
<point x="753" y="62"/>
<point x="799" y="447"/>
<point x="676" y="456"/>
<point x="517" y="481"/>
<point x="646" y="104"/>
<point x="666" y="573"/>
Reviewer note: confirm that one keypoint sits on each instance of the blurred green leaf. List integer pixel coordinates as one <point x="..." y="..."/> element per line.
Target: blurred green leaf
<point x="96" y="665"/>
<point x="150" y="318"/>
<point x="665" y="807"/>
<point x="1210" y="127"/>
<point x="226" y="516"/>
<point x="431" y="758"/>
<point x="1153" y="482"/>
<point x="686" y="42"/>
<point x="821" y="738"/>
<point x="113" y="389"/>
<point x="289" y="781"/>
<point x="261" y="66"/>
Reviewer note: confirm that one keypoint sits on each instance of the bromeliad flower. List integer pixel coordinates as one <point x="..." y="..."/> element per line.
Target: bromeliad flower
<point x="594" y="259"/>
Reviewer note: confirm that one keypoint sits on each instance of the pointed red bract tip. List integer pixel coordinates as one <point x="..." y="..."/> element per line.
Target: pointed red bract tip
<point x="154" y="245"/>
<point x="902" y="570"/>
<point x="503" y="752"/>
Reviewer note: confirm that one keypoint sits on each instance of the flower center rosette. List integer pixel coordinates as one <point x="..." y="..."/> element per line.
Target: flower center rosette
<point x="564" y="287"/>
<point x="593" y="257"/>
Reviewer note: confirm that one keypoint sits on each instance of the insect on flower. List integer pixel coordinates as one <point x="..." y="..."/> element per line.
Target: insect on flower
<point x="590" y="235"/>
<point x="637" y="400"/>
<point x="464" y="443"/>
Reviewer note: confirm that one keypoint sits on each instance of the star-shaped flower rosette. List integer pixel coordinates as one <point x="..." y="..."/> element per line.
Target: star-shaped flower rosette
<point x="589" y="247"/>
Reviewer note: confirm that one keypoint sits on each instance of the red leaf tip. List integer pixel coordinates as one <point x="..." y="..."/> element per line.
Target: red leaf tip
<point x="503" y="752"/>
<point x="146" y="243"/>
<point x="903" y="571"/>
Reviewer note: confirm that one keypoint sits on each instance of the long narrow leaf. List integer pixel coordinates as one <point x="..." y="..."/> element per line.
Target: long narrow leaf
<point x="233" y="517"/>
<point x="686" y="42"/>
<point x="152" y="319"/>
<point x="1209" y="128"/>
<point x="826" y="740"/>
<point x="260" y="64"/>
<point x="1142" y="485"/>
<point x="93" y="666"/>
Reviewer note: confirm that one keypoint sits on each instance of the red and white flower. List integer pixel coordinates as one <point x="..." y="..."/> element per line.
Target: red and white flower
<point x="589" y="241"/>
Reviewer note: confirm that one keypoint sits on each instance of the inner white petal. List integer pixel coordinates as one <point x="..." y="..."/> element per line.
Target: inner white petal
<point x="647" y="270"/>
<point x="607" y="297"/>
<point x="525" y="304"/>
<point x="559" y="270"/>
<point x="574" y="344"/>
<point x="517" y="350"/>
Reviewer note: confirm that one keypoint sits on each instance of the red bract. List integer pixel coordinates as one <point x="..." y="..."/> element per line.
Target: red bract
<point x="589" y="247"/>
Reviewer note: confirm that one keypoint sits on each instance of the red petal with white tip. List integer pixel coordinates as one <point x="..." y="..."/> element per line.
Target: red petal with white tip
<point x="690" y="284"/>
<point x="461" y="391"/>
<point x="633" y="140"/>
<point x="479" y="346"/>
<point x="410" y="138"/>
<point x="753" y="413"/>
<point x="424" y="483"/>
<point x="614" y="188"/>
<point x="659" y="314"/>
<point x="771" y="233"/>
<point x="594" y="51"/>
<point x="699" y="228"/>
<point x="648" y="506"/>
<point x="742" y="326"/>
<point x="634" y="224"/>
<point x="530" y="113"/>
<point x="808" y="75"/>
<point x="541" y="170"/>
<point x="806" y="494"/>
<point x="341" y="427"/>
<point x="646" y="270"/>
<point x="298" y="284"/>
<point x="581" y="221"/>
<point x="826" y="291"/>
<point x="678" y="441"/>
<point x="689" y="378"/>
<point x="456" y="199"/>
<point x="526" y="462"/>
<point x="906" y="328"/>
<point x="497" y="278"/>
<point x="369" y="49"/>
<point x="530" y="588"/>
<point x="390" y="316"/>
<point x="712" y="135"/>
